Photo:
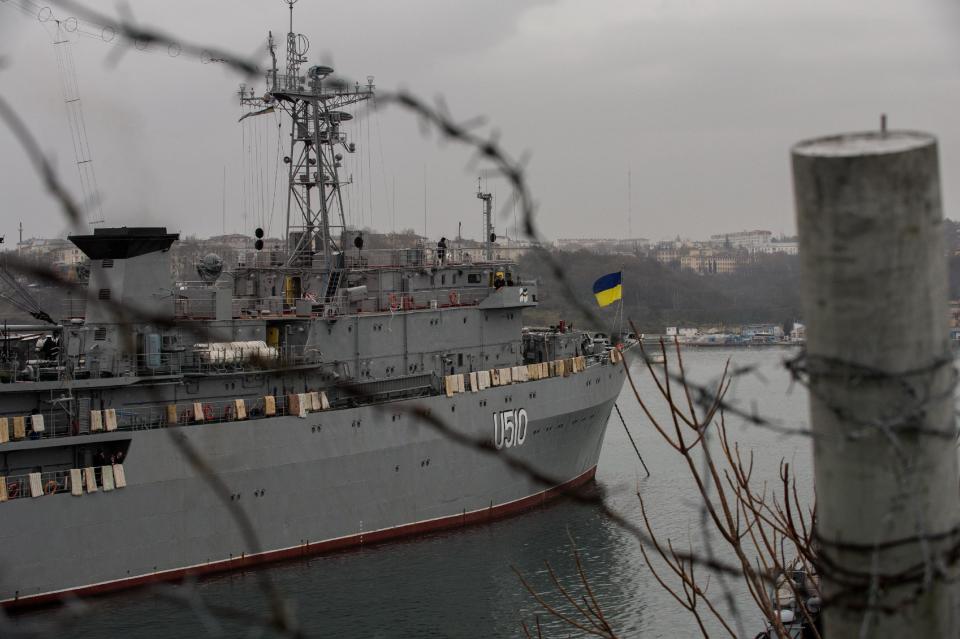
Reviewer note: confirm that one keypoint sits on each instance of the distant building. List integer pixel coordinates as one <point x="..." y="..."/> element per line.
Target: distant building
<point x="761" y="332"/>
<point x="706" y="260"/>
<point x="604" y="245"/>
<point x="54" y="250"/>
<point x="700" y="257"/>
<point x="955" y="320"/>
<point x="789" y="247"/>
<point x="798" y="332"/>
<point x="235" y="241"/>
<point x="753" y="241"/>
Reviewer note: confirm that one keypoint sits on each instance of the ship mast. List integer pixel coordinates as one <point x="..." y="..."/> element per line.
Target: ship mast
<point x="314" y="103"/>
<point x="488" y="234"/>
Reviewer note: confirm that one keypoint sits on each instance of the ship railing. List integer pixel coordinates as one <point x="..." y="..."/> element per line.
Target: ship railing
<point x="415" y="256"/>
<point x="393" y="301"/>
<point x="150" y="364"/>
<point x="237" y="359"/>
<point x="186" y="413"/>
<point x="59" y="424"/>
<point x="134" y="418"/>
<point x="224" y="360"/>
<point x="191" y="308"/>
<point x="260" y="259"/>
<point x="73" y="308"/>
<point x="256" y="359"/>
<point x="429" y="256"/>
<point x="253" y="307"/>
<point x="430" y="298"/>
<point x="52" y="482"/>
<point x="224" y="410"/>
<point x="373" y="302"/>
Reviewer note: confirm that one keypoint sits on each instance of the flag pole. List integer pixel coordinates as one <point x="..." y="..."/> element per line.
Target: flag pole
<point x="620" y="310"/>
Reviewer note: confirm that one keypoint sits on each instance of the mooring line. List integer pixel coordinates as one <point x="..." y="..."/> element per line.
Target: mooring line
<point x="623" y="421"/>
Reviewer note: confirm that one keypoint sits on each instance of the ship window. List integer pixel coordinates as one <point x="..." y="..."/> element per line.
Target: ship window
<point x="107" y="264"/>
<point x="104" y="294"/>
<point x="100" y="334"/>
<point x="459" y="359"/>
<point x="443" y="280"/>
<point x="473" y="278"/>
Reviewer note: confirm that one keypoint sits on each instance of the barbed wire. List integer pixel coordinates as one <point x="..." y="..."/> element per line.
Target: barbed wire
<point x="124" y="33"/>
<point x="804" y="369"/>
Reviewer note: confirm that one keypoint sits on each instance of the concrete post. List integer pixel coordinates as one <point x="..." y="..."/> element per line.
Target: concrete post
<point x="874" y="293"/>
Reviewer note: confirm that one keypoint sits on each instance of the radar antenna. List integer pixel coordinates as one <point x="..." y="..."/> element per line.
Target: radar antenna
<point x="314" y="103"/>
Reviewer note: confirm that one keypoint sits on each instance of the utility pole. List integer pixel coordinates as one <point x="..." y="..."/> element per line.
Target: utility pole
<point x="881" y="378"/>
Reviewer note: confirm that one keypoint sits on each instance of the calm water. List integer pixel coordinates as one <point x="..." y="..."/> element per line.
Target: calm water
<point x="460" y="583"/>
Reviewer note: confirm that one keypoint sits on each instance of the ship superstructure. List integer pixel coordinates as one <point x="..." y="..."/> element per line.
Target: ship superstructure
<point x="295" y="376"/>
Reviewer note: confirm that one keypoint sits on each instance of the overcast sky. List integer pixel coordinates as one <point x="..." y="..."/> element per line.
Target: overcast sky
<point x="699" y="100"/>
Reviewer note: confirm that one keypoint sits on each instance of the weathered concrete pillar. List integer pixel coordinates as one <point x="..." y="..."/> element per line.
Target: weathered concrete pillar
<point x="874" y="293"/>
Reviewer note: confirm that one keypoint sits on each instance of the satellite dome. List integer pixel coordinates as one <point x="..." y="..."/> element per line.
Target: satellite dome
<point x="210" y="267"/>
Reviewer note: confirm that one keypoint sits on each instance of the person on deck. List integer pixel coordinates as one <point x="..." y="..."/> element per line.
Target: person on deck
<point x="441" y="250"/>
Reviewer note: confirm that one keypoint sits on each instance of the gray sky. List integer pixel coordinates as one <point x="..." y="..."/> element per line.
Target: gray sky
<point x="700" y="100"/>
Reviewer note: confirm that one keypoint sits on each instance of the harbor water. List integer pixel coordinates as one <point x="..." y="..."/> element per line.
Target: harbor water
<point x="461" y="583"/>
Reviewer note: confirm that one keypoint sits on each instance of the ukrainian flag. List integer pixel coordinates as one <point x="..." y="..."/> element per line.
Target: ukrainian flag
<point x="608" y="289"/>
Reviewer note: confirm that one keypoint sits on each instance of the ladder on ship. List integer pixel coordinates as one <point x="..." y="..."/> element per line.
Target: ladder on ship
<point x="333" y="285"/>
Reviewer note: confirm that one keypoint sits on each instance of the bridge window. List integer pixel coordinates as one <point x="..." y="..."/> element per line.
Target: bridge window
<point x="473" y="278"/>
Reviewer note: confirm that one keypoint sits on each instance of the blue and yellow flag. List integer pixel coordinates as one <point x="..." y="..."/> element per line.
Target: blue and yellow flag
<point x="608" y="289"/>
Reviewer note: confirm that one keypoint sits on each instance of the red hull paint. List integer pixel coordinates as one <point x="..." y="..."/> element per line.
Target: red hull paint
<point x="315" y="548"/>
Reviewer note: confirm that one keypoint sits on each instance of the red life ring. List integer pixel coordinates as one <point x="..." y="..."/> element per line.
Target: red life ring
<point x="207" y="412"/>
<point x="13" y="490"/>
<point x="454" y="297"/>
<point x="393" y="302"/>
<point x="50" y="487"/>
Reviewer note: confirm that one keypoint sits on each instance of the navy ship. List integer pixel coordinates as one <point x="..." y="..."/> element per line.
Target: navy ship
<point x="291" y="387"/>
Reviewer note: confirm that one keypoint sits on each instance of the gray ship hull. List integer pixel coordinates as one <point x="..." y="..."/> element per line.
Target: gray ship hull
<point x="329" y="480"/>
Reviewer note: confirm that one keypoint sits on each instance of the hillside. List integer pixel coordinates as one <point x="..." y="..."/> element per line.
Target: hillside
<point x="656" y="296"/>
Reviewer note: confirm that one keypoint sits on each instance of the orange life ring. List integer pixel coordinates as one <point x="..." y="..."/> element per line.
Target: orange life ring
<point x="13" y="490"/>
<point x="454" y="297"/>
<point x="50" y="487"/>
<point x="207" y="412"/>
<point x="393" y="302"/>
